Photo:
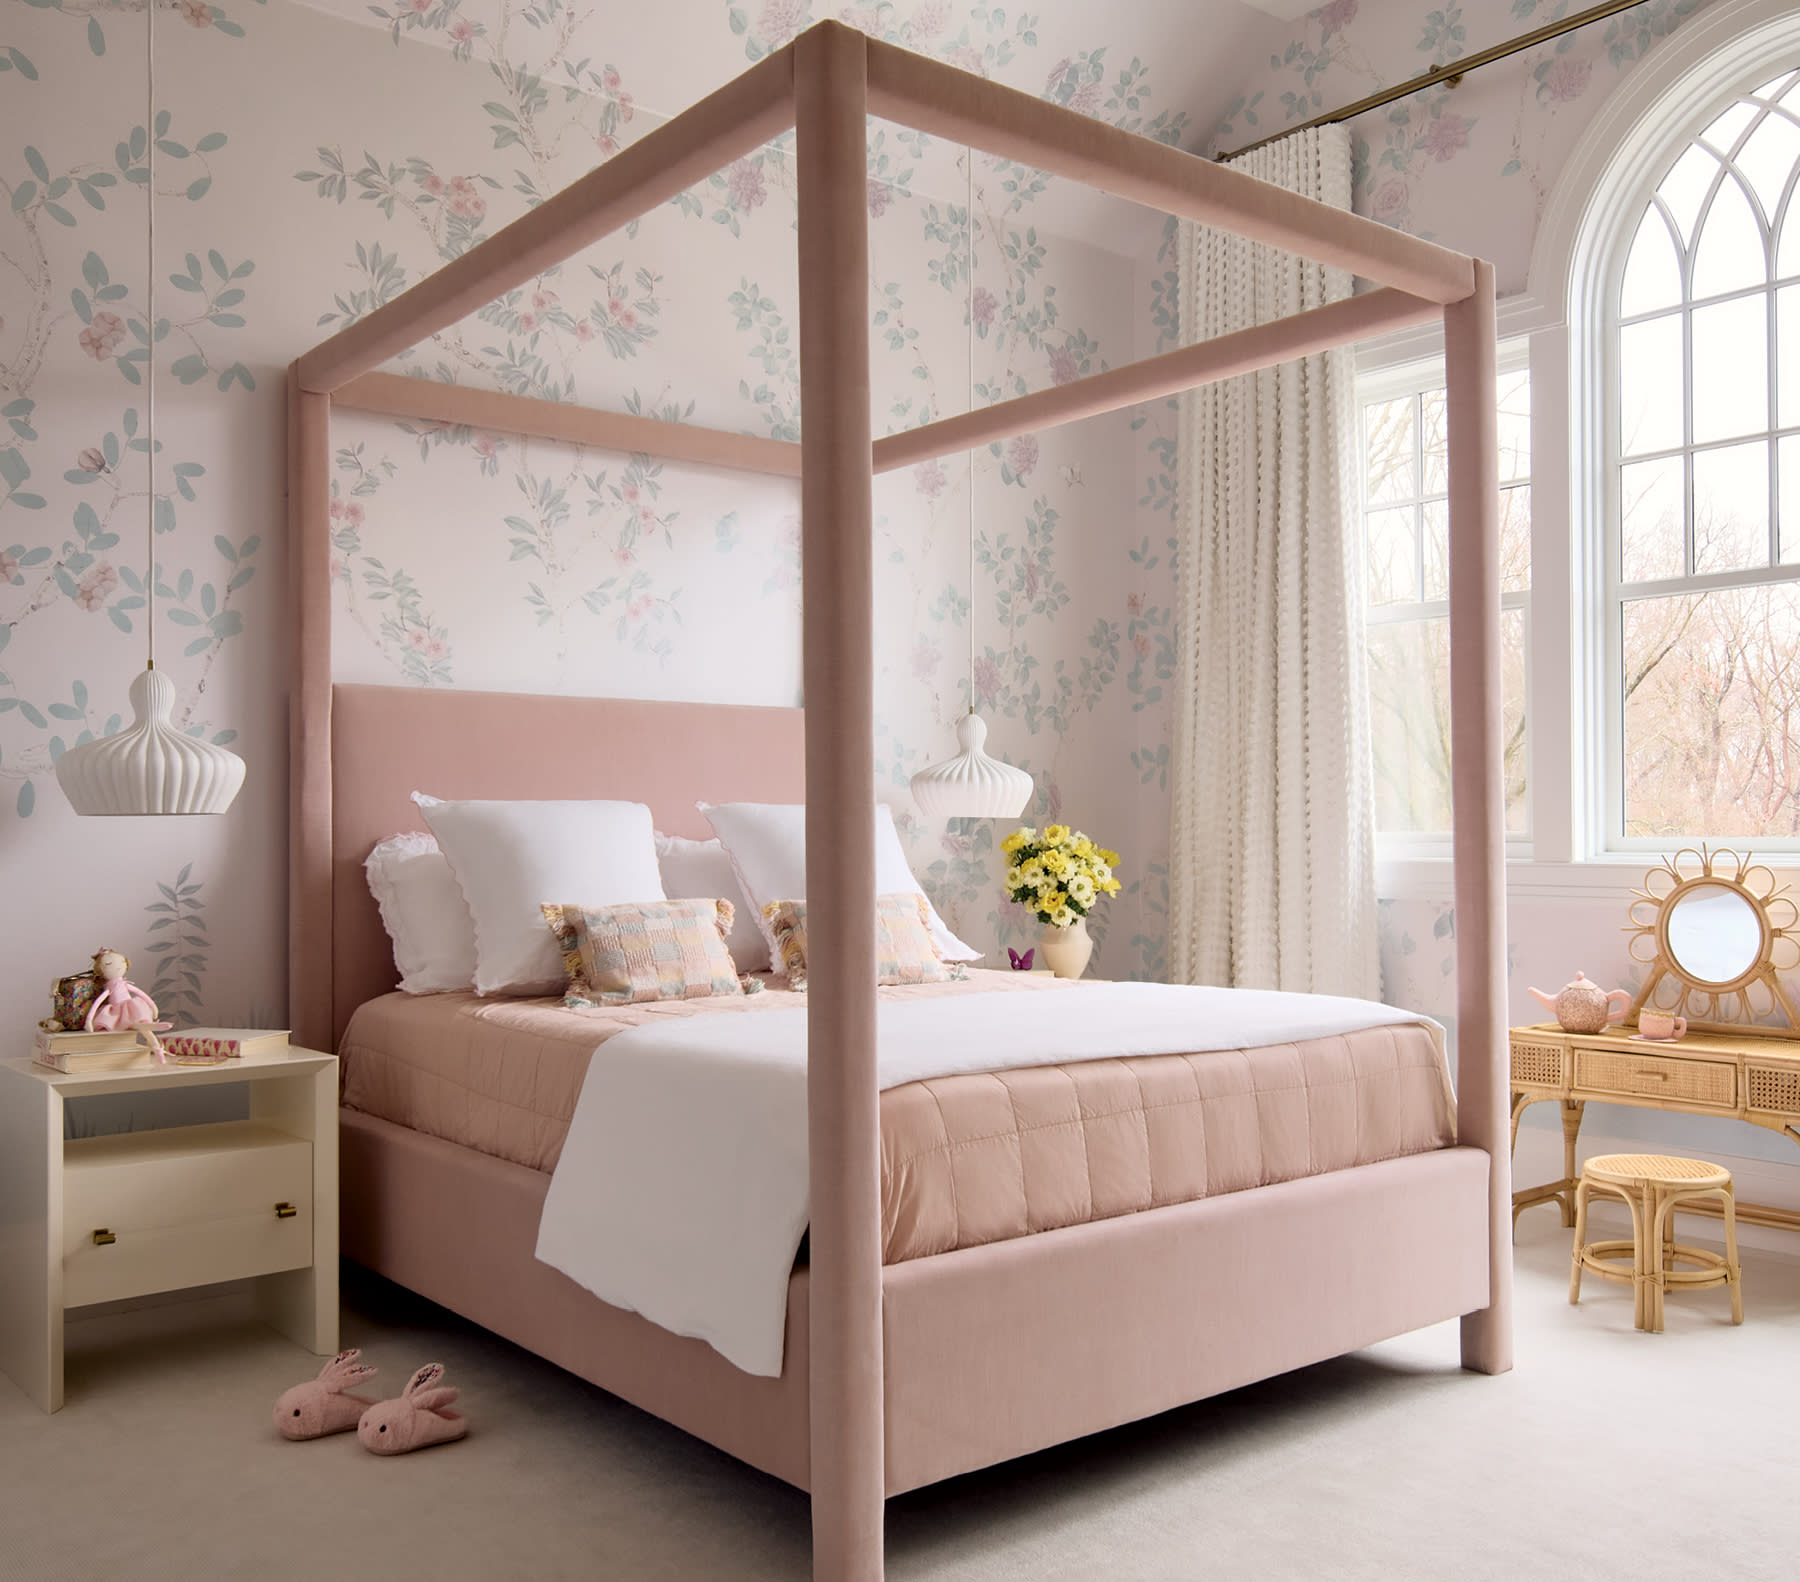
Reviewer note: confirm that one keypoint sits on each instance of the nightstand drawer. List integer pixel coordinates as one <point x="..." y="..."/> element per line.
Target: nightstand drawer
<point x="183" y="1206"/>
<point x="1684" y="1082"/>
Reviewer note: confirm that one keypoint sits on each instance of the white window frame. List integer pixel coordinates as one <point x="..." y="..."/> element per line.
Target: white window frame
<point x="1729" y="47"/>
<point x="1607" y="788"/>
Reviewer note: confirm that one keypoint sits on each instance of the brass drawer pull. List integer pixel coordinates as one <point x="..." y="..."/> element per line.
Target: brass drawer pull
<point x="285" y="1211"/>
<point x="104" y="1238"/>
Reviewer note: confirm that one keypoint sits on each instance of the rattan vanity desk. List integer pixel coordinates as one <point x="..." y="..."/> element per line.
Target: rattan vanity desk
<point x="1749" y="1079"/>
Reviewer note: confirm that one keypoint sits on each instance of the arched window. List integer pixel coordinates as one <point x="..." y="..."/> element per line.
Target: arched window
<point x="1702" y="552"/>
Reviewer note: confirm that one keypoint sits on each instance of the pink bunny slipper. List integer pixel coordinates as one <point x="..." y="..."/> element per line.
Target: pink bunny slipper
<point x="325" y="1405"/>
<point x="421" y="1417"/>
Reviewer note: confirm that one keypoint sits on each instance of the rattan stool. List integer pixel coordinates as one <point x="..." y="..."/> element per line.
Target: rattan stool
<point x="1653" y="1187"/>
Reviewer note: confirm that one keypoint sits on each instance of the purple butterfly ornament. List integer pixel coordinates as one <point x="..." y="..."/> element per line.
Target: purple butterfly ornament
<point x="1020" y="963"/>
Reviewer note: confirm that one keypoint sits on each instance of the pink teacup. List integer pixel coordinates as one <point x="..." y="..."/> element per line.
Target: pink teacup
<point x="1664" y="1029"/>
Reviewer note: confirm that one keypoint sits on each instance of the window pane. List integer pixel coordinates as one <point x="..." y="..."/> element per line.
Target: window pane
<point x="1652" y="272"/>
<point x="1685" y="187"/>
<point x="1787" y="330"/>
<point x="1730" y="126"/>
<point x="1409" y="705"/>
<point x="1770" y="90"/>
<point x="1768" y="159"/>
<point x="1712" y="707"/>
<point x="1650" y="386"/>
<point x="1409" y="694"/>
<point x="1651" y="517"/>
<point x="1515" y="539"/>
<point x="1393" y="557"/>
<point x="1388" y="450"/>
<point x="1434" y="429"/>
<point x="1731" y="508"/>
<point x="1789" y="462"/>
<point x="1437" y="549"/>
<point x="1787" y="260"/>
<point x="1731" y="253"/>
<point x="1514" y="401"/>
<point x="1731" y="368"/>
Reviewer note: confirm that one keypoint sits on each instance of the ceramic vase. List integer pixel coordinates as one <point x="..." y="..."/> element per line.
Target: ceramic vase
<point x="1067" y="950"/>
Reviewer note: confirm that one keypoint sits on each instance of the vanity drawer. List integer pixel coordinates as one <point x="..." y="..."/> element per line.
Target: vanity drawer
<point x="1538" y="1063"/>
<point x="1712" y="1083"/>
<point x="183" y="1206"/>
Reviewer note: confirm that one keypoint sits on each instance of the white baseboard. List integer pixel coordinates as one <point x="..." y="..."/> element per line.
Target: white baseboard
<point x="1539" y="1158"/>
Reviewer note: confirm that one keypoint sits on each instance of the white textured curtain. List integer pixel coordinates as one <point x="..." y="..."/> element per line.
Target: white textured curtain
<point x="1272" y="881"/>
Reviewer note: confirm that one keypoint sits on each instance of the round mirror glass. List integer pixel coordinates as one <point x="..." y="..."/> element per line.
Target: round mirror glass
<point x="1715" y="934"/>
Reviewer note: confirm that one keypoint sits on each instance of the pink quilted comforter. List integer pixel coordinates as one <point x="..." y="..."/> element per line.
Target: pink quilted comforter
<point x="965" y="1159"/>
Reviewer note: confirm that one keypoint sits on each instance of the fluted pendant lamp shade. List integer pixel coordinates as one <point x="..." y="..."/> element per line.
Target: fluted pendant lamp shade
<point x="971" y="785"/>
<point x="150" y="767"/>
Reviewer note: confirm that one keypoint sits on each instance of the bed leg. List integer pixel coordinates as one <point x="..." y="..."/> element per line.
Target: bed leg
<point x="847" y="1464"/>
<point x="1478" y="794"/>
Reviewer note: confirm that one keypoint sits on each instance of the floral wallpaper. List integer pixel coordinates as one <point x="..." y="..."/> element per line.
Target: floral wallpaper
<point x="312" y="161"/>
<point x="1470" y="165"/>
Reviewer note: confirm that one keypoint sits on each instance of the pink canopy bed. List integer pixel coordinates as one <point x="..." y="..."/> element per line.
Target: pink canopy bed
<point x="896" y="1373"/>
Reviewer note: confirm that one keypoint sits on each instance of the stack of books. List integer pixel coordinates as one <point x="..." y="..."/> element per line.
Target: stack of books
<point x="197" y="1046"/>
<point x="91" y="1051"/>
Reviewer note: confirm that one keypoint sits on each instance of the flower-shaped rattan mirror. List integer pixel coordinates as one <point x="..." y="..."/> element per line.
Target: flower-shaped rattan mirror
<point x="1715" y="930"/>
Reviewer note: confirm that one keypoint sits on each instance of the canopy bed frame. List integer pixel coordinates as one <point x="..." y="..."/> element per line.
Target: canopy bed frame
<point x="1047" y="1335"/>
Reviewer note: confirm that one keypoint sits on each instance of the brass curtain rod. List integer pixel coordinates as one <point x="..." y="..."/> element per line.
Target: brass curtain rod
<point x="1452" y="72"/>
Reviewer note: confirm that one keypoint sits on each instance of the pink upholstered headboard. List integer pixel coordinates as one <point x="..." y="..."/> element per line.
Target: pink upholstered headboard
<point x="387" y="742"/>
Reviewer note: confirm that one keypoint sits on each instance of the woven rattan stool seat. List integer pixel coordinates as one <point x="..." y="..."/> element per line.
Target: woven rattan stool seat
<point x="1653" y="1186"/>
<point x="1663" y="1169"/>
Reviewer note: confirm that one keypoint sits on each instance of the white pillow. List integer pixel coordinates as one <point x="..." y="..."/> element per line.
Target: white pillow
<point x="510" y="858"/>
<point x="423" y="910"/>
<point x="692" y="869"/>
<point x="766" y="842"/>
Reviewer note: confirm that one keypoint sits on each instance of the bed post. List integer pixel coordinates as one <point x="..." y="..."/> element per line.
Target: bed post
<point x="837" y="519"/>
<point x="310" y="1007"/>
<point x="1478" y="794"/>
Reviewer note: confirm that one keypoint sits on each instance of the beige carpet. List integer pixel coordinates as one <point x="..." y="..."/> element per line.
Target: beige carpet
<point x="1607" y="1454"/>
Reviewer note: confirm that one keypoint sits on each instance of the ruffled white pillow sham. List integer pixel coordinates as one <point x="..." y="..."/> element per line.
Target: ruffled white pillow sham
<point x="423" y="910"/>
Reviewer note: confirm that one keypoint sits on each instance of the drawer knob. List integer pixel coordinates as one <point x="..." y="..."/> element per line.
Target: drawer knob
<point x="285" y="1211"/>
<point x="104" y="1238"/>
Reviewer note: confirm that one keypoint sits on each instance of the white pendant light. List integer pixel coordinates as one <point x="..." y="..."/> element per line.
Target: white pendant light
<point x="150" y="766"/>
<point x="971" y="785"/>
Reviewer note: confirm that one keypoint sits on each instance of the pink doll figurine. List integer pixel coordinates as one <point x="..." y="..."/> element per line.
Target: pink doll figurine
<point x="421" y="1416"/>
<point x="122" y="1003"/>
<point x="325" y="1405"/>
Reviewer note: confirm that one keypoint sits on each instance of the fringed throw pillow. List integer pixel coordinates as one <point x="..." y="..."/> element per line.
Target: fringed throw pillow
<point x="648" y="950"/>
<point x="904" y="950"/>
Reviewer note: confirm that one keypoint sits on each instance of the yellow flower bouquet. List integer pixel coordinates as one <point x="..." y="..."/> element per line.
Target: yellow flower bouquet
<point x="1057" y="872"/>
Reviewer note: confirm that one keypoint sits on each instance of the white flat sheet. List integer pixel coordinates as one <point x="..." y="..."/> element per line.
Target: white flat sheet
<point x="682" y="1192"/>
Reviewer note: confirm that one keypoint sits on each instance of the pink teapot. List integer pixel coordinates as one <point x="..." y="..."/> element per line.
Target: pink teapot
<point x="1584" y="1007"/>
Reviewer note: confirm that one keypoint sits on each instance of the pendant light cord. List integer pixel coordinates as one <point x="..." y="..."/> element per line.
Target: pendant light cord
<point x="969" y="243"/>
<point x="150" y="329"/>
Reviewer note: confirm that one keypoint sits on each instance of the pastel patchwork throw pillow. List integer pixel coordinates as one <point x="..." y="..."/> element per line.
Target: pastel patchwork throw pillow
<point x="646" y="950"/>
<point x="904" y="950"/>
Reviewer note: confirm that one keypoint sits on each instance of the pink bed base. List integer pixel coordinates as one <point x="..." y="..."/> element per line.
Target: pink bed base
<point x="991" y="1352"/>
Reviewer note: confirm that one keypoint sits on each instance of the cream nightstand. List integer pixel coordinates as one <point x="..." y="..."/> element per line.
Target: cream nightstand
<point x="98" y="1219"/>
